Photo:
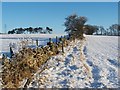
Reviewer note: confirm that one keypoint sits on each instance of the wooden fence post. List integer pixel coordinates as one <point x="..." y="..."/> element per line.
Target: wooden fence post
<point x="56" y="39"/>
<point x="62" y="44"/>
<point x="69" y="36"/>
<point x="37" y="42"/>
<point x="62" y="47"/>
<point x="32" y="41"/>
<point x="11" y="52"/>
<point x="50" y="40"/>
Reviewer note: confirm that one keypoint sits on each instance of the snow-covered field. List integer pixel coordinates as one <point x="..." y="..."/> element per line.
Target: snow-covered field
<point x="102" y="56"/>
<point x="15" y="40"/>
<point x="92" y="63"/>
<point x="85" y="64"/>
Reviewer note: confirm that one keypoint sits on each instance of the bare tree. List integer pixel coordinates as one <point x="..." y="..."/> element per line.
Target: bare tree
<point x="102" y="29"/>
<point x="114" y="29"/>
<point x="90" y="29"/>
<point x="74" y="25"/>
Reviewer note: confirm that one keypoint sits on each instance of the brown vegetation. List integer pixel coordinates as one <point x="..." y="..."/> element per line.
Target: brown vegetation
<point x="24" y="64"/>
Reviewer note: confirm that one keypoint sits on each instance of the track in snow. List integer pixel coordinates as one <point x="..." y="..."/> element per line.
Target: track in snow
<point x="101" y="53"/>
<point x="64" y="70"/>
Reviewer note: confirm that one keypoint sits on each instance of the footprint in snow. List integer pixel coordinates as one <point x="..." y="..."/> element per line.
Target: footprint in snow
<point x="96" y="75"/>
<point x="114" y="62"/>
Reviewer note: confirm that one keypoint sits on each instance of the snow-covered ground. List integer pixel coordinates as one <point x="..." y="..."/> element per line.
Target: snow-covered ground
<point x="65" y="70"/>
<point x="85" y="64"/>
<point x="92" y="63"/>
<point x="102" y="56"/>
<point x="16" y="40"/>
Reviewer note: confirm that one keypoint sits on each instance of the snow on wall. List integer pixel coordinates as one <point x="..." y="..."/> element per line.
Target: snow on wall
<point x="15" y="40"/>
<point x="101" y="54"/>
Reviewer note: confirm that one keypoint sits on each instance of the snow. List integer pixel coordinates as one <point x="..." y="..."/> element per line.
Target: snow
<point x="64" y="70"/>
<point x="14" y="36"/>
<point x="15" y="40"/>
<point x="101" y="53"/>
<point x="85" y="64"/>
<point x="91" y="63"/>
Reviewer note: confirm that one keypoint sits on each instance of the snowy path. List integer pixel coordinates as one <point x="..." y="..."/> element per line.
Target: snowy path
<point x="102" y="55"/>
<point x="85" y="64"/>
<point x="66" y="70"/>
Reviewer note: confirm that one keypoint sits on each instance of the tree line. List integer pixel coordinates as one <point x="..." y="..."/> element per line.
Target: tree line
<point x="76" y="27"/>
<point x="31" y="30"/>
